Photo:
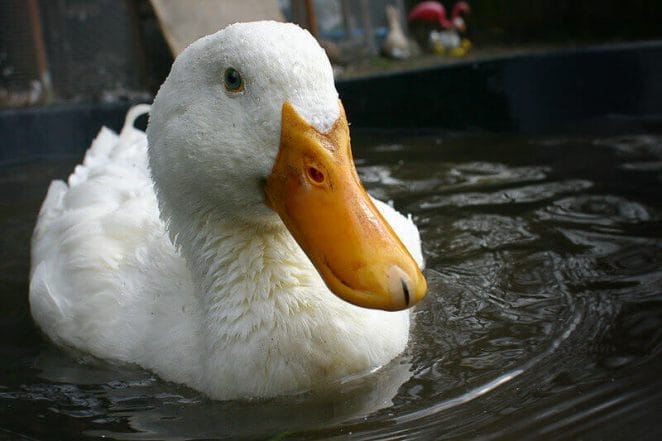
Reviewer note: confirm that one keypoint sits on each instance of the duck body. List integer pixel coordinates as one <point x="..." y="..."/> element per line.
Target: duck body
<point x="207" y="290"/>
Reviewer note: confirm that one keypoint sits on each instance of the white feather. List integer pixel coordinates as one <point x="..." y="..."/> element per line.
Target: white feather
<point x="200" y="282"/>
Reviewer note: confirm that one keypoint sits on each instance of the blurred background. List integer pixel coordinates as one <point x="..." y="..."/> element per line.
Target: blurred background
<point x="55" y="51"/>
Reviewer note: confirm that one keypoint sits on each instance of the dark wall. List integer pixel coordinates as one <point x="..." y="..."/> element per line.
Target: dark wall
<point x="534" y="93"/>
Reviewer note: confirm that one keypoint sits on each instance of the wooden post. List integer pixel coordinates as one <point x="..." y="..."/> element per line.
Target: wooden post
<point x="40" y="50"/>
<point x="312" y="20"/>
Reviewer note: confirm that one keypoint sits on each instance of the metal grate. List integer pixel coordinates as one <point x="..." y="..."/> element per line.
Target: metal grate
<point x="92" y="48"/>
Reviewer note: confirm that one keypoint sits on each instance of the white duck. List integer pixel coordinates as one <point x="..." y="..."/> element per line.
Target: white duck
<point x="205" y="256"/>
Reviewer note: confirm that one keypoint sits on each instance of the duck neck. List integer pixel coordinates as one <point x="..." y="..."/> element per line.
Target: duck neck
<point x="239" y="267"/>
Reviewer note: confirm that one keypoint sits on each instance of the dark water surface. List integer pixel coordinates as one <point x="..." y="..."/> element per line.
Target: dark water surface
<point x="543" y="320"/>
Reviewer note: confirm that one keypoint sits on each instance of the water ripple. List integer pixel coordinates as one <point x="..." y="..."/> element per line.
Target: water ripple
<point x="649" y="146"/>
<point x="602" y="210"/>
<point x="518" y="195"/>
<point x="543" y="319"/>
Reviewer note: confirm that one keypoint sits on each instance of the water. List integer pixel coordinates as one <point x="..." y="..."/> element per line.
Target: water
<point x="543" y="320"/>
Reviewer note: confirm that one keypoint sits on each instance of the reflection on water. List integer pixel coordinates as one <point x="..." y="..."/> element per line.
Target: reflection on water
<point x="544" y="317"/>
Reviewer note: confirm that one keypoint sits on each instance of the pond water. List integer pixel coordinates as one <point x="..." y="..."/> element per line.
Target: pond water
<point x="543" y="319"/>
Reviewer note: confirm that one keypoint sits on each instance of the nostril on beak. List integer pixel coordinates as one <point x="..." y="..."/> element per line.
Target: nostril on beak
<point x="315" y="175"/>
<point x="405" y="290"/>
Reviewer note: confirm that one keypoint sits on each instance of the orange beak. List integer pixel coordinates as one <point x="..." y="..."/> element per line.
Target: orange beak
<point x="316" y="191"/>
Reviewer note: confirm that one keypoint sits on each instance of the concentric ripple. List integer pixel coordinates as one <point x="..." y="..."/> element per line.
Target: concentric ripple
<point x="543" y="319"/>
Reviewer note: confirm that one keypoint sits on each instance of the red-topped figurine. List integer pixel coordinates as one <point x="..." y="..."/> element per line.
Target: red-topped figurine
<point x="434" y="31"/>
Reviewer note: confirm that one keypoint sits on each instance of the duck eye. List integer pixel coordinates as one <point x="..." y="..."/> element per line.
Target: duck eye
<point x="233" y="80"/>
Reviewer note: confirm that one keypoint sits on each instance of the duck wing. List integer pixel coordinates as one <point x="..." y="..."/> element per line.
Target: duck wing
<point x="99" y="251"/>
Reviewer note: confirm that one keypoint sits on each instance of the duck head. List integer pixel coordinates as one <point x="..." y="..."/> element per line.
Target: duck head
<point x="248" y="128"/>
